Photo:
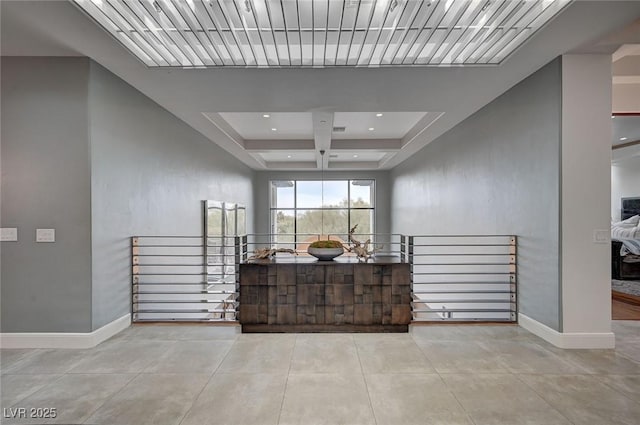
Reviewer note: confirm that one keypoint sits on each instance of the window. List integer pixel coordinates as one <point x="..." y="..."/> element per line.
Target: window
<point x="303" y="208"/>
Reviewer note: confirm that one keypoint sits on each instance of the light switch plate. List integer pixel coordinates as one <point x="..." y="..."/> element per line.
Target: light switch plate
<point x="601" y="236"/>
<point x="45" y="235"/>
<point x="9" y="234"/>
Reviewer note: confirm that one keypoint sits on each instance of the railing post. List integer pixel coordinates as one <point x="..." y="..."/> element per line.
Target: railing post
<point x="513" y="272"/>
<point x="135" y="278"/>
<point x="410" y="252"/>
<point x="238" y="258"/>
<point x="410" y="243"/>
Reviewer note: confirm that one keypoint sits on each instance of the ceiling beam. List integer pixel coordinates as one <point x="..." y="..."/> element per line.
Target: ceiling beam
<point x="278" y="145"/>
<point x="286" y="165"/>
<point x="626" y="50"/>
<point x="224" y="126"/>
<point x="426" y="122"/>
<point x="354" y="165"/>
<point x="367" y="144"/>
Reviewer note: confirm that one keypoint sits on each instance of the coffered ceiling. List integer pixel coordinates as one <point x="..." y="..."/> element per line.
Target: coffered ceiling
<point x="226" y="100"/>
<point x="357" y="140"/>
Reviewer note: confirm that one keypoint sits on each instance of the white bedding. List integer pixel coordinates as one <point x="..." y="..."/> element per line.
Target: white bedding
<point x="627" y="229"/>
<point x="630" y="246"/>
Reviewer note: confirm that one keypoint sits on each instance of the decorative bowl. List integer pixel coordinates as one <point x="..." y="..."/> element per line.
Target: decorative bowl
<point x="325" y="254"/>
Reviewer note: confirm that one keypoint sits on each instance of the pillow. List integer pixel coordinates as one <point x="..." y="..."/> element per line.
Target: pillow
<point x="631" y="221"/>
<point x="625" y="232"/>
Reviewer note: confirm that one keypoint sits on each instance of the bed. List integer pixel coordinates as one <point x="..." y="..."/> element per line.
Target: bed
<point x="625" y="242"/>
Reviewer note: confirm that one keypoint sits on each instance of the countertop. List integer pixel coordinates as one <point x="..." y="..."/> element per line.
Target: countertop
<point x="305" y="259"/>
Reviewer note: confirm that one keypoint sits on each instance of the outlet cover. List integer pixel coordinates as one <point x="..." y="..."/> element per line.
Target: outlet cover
<point x="9" y="234"/>
<point x="45" y="235"/>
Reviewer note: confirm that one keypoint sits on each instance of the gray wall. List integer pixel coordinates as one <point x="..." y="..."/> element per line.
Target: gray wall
<point x="88" y="155"/>
<point x="262" y="191"/>
<point x="150" y="171"/>
<point x="46" y="287"/>
<point x="497" y="172"/>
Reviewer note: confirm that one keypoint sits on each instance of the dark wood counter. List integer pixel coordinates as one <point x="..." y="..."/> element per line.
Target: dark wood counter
<point x="301" y="294"/>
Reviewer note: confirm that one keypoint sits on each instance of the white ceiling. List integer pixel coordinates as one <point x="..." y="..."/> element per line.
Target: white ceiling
<point x="270" y="126"/>
<point x="626" y="129"/>
<point x="222" y="103"/>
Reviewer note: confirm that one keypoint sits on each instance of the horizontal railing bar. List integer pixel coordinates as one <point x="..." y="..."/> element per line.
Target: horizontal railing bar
<point x="171" y="265"/>
<point x="168" y="255"/>
<point x="461" y="319"/>
<point x="187" y="311"/>
<point x="185" y="283"/>
<point x="464" y="283"/>
<point x="187" y="302"/>
<point x="168" y="246"/>
<point x="458" y="273"/>
<point x="170" y="274"/>
<point x="186" y="293"/>
<point x="464" y="264"/>
<point x="462" y="301"/>
<point x="461" y="244"/>
<point x="216" y="319"/>
<point x="470" y="310"/>
<point x="460" y="236"/>
<point x="463" y="291"/>
<point x="318" y="234"/>
<point x="169" y="236"/>
<point x="505" y="254"/>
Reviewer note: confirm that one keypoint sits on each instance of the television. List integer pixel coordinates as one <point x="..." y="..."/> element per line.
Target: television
<point x="630" y="207"/>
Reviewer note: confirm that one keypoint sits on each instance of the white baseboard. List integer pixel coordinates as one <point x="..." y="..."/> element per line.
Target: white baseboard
<point x="567" y="339"/>
<point x="64" y="339"/>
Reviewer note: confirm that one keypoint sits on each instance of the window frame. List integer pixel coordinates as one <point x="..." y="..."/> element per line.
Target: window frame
<point x="295" y="208"/>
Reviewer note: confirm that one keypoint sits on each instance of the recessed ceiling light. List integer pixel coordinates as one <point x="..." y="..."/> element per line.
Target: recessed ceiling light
<point x="274" y="129"/>
<point x="355" y="156"/>
<point x="623" y="138"/>
<point x="378" y="115"/>
<point x="371" y="128"/>
<point x="266" y="115"/>
<point x="288" y="156"/>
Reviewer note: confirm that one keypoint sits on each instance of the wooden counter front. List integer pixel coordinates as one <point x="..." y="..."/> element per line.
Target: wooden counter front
<point x="325" y="296"/>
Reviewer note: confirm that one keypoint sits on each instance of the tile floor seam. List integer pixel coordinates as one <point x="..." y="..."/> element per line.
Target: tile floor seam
<point x="424" y="354"/>
<point x="366" y="384"/>
<point x="464" y="409"/>
<point x="108" y="398"/>
<point x="206" y="383"/>
<point x="38" y="389"/>
<point x="21" y="360"/>
<point x="617" y="391"/>
<point x="543" y="398"/>
<point x="286" y="382"/>
<point x="626" y="356"/>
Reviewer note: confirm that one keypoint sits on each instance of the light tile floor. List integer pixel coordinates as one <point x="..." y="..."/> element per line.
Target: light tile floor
<point x="200" y="375"/>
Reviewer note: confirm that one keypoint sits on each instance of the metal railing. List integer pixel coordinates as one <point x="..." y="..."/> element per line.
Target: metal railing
<point x="179" y="278"/>
<point x="386" y="244"/>
<point x="454" y="278"/>
<point x="464" y="278"/>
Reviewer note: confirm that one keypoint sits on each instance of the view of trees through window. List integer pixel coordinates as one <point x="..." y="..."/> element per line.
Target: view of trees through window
<point x="307" y="207"/>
